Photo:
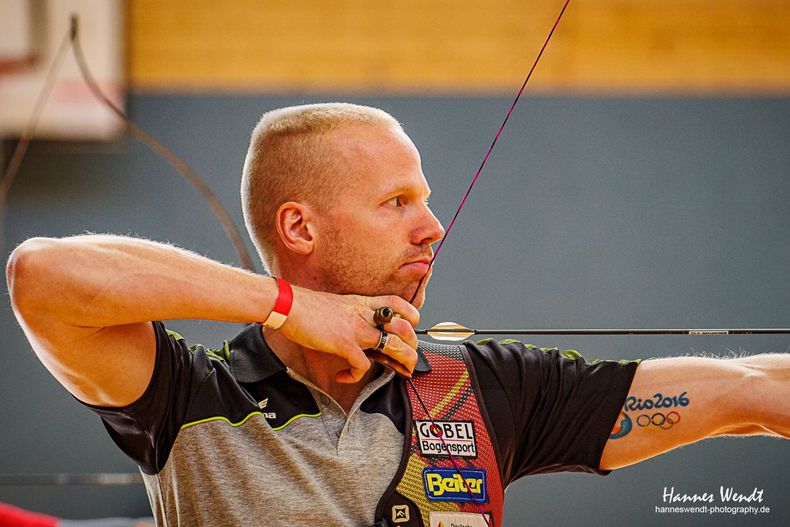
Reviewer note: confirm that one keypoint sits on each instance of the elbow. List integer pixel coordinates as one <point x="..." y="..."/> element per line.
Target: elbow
<point x="26" y="270"/>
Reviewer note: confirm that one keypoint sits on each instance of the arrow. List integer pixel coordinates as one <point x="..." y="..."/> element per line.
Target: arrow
<point x="452" y="331"/>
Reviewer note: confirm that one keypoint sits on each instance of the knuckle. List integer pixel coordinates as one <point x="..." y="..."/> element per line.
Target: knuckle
<point x="397" y="303"/>
<point x="402" y="327"/>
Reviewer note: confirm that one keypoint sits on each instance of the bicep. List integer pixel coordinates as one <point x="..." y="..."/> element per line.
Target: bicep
<point x="674" y="402"/>
<point x="109" y="366"/>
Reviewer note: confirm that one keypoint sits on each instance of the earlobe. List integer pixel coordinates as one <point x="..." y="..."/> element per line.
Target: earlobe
<point x="295" y="228"/>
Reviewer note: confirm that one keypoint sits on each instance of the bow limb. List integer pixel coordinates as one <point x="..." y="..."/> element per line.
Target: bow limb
<point x="72" y="40"/>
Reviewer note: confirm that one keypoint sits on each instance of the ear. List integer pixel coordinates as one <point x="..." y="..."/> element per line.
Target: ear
<point x="295" y="227"/>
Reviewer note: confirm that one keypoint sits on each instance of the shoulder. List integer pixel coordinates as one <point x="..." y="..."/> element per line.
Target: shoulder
<point x="510" y="352"/>
<point x="177" y="341"/>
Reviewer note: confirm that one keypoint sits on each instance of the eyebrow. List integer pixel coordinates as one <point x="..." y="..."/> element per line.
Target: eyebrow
<point x="404" y="190"/>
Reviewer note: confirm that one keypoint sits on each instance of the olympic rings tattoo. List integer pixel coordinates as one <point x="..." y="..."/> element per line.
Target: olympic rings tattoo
<point x="658" y="419"/>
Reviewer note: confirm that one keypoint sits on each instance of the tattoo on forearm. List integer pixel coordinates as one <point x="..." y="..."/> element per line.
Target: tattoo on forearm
<point x="662" y="420"/>
<point x="621" y="427"/>
<point x="657" y="401"/>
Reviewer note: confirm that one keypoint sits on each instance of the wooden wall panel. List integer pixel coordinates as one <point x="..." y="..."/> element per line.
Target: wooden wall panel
<point x="718" y="46"/>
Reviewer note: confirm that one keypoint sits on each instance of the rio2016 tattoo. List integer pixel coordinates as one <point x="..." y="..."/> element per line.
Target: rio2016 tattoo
<point x="657" y="401"/>
<point x="660" y="420"/>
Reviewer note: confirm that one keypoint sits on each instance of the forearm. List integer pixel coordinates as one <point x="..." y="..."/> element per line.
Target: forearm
<point x="767" y="411"/>
<point x="678" y="401"/>
<point x="104" y="280"/>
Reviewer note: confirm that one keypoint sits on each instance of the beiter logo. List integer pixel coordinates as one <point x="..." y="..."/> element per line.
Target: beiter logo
<point x="446" y="484"/>
<point x="458" y="436"/>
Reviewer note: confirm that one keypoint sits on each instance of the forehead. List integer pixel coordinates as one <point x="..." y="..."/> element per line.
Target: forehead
<point x="378" y="158"/>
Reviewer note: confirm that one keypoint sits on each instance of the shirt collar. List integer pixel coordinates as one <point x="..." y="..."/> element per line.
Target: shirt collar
<point x="252" y="360"/>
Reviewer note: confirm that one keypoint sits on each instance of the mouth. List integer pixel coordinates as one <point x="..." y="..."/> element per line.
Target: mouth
<point x="422" y="265"/>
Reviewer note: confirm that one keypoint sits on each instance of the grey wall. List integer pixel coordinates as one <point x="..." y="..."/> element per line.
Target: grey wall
<point x="592" y="212"/>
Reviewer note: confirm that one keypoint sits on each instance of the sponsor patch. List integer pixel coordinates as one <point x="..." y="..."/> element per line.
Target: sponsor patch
<point x="458" y="519"/>
<point x="459" y="438"/>
<point x="446" y="484"/>
<point x="400" y="513"/>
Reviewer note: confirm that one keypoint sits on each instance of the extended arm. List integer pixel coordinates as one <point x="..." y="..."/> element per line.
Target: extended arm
<point x="86" y="302"/>
<point x="678" y="401"/>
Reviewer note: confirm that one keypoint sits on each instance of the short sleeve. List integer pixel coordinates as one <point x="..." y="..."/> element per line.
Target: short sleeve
<point x="146" y="429"/>
<point x="551" y="411"/>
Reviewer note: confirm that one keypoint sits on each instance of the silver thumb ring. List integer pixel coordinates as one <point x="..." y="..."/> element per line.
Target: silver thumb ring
<point x="382" y="341"/>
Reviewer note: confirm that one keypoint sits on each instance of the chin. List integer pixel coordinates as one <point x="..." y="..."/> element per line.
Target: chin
<point x="419" y="299"/>
<point x="405" y="293"/>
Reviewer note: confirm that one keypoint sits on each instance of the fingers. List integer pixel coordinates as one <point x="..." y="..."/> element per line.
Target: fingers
<point x="358" y="363"/>
<point x="359" y="366"/>
<point x="404" y="323"/>
<point x="401" y="352"/>
<point x="399" y="305"/>
<point x="403" y="330"/>
<point x="343" y="325"/>
<point x="393" y="353"/>
<point x="394" y="365"/>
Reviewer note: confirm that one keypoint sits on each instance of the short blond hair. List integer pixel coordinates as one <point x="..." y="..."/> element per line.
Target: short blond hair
<point x="289" y="159"/>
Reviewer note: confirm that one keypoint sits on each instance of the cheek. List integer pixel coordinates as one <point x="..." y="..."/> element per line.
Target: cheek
<point x="365" y="266"/>
<point x="349" y="240"/>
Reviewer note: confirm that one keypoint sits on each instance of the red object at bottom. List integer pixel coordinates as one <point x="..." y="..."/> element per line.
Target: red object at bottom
<point x="11" y="516"/>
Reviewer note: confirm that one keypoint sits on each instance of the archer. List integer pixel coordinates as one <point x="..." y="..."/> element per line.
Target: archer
<point x="291" y="418"/>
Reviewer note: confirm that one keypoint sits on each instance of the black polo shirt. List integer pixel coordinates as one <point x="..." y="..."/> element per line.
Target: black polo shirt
<point x="235" y="423"/>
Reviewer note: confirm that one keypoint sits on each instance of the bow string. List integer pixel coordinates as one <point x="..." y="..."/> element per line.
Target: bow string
<point x="474" y="500"/>
<point x="490" y="149"/>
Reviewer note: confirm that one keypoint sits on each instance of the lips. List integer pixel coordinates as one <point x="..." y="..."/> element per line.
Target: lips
<point x="422" y="264"/>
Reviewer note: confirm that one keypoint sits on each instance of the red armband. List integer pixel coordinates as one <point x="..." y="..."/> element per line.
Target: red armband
<point x="282" y="307"/>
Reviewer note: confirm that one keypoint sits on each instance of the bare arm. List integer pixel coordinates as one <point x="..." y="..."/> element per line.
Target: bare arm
<point x="678" y="401"/>
<point x="86" y="302"/>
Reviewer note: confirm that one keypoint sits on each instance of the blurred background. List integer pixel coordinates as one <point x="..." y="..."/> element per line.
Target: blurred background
<point x="643" y="181"/>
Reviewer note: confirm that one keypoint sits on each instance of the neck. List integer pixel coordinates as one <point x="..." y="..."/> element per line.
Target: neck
<point x="319" y="368"/>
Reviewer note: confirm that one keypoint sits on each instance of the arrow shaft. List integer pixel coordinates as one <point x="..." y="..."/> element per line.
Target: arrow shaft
<point x="615" y="331"/>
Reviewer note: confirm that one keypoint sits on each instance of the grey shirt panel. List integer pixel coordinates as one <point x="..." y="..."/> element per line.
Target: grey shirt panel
<point x="299" y="475"/>
<point x="232" y="437"/>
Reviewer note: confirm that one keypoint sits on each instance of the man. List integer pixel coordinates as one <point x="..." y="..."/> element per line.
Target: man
<point x="292" y="424"/>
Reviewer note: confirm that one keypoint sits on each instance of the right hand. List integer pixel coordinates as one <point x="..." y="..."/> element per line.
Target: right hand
<point x="343" y="325"/>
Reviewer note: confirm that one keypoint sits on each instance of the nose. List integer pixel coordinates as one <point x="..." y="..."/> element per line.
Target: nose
<point x="431" y="228"/>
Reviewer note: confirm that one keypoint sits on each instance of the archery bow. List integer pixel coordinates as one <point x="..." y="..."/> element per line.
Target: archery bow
<point x="71" y="39"/>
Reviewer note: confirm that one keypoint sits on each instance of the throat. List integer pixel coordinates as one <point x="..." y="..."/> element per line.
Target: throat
<point x="320" y="369"/>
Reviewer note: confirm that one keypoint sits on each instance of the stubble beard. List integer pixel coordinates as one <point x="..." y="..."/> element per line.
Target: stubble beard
<point x="350" y="273"/>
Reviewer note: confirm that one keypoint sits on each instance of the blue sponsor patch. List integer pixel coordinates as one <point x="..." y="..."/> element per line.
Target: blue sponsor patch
<point x="446" y="484"/>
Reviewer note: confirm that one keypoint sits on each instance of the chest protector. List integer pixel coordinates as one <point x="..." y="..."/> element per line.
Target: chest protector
<point x="427" y="490"/>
